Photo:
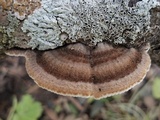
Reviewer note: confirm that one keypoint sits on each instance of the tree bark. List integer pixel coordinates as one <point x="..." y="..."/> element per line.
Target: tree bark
<point x="14" y="12"/>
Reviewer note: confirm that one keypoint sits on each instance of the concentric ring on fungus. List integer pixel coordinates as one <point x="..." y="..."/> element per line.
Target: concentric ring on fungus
<point x="83" y="71"/>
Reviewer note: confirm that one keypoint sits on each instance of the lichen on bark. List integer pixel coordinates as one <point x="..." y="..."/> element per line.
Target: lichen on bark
<point x="94" y="20"/>
<point x="60" y="21"/>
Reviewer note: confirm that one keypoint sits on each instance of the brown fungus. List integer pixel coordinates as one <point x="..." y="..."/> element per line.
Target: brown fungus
<point x="79" y="70"/>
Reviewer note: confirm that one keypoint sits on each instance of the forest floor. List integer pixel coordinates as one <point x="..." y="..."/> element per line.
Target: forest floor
<point x="140" y="103"/>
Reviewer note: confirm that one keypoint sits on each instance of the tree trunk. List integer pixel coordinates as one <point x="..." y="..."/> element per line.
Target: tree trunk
<point x="13" y="13"/>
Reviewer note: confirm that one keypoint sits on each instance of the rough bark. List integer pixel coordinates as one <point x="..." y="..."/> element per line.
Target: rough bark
<point x="11" y="34"/>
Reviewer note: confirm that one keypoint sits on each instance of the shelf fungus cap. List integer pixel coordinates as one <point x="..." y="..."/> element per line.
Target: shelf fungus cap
<point x="83" y="71"/>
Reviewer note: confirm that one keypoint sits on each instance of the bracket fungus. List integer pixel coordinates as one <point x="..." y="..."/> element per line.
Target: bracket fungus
<point x="87" y="71"/>
<point x="73" y="45"/>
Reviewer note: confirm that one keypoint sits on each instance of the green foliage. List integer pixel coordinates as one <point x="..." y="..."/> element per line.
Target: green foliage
<point x="26" y="109"/>
<point x="73" y="109"/>
<point x="58" y="108"/>
<point x="96" y="107"/>
<point x="134" y="112"/>
<point x="156" y="88"/>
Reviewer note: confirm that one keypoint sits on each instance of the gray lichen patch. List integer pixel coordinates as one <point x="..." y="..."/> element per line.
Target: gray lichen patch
<point x="9" y="34"/>
<point x="13" y="24"/>
<point x="4" y="40"/>
<point x="4" y="35"/>
<point x="94" y="20"/>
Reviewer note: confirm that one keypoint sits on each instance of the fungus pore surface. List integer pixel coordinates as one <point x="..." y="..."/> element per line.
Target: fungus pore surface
<point x="87" y="71"/>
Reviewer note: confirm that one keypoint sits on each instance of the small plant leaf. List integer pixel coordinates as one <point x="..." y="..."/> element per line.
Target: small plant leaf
<point x="156" y="88"/>
<point x="28" y="109"/>
<point x="57" y="108"/>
